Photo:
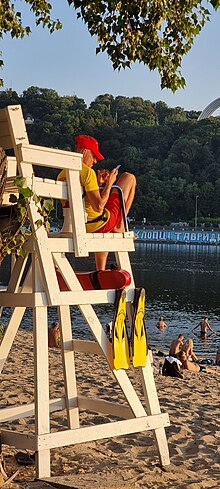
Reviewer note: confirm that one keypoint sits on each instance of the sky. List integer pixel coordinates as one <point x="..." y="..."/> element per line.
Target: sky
<point x="66" y="62"/>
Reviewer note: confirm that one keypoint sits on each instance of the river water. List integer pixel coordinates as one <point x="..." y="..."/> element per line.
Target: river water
<point x="182" y="283"/>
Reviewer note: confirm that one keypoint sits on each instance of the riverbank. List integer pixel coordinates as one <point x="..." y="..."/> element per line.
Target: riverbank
<point x="129" y="461"/>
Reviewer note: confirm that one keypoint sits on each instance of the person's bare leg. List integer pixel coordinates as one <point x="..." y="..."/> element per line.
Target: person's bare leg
<point x="101" y="259"/>
<point x="127" y="182"/>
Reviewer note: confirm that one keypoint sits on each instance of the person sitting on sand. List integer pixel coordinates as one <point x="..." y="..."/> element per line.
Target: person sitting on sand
<point x="54" y="335"/>
<point x="188" y="348"/>
<point x="217" y="360"/>
<point x="204" y="326"/>
<point x="161" y="324"/>
<point x="176" y="346"/>
<point x="193" y="367"/>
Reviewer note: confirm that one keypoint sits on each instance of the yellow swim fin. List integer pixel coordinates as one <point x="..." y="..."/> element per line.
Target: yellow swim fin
<point x="120" y="340"/>
<point x="138" y="330"/>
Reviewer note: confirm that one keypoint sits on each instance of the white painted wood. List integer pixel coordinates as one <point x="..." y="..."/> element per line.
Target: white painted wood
<point x="17" y="274"/>
<point x="90" y="433"/>
<point x="13" y="324"/>
<point x="16" y="126"/>
<point x="11" y="413"/>
<point x="77" y="214"/>
<point x="153" y="407"/>
<point x="55" y="158"/>
<point x="84" y="346"/>
<point x="95" y="243"/>
<point x="41" y="389"/>
<point x="68" y="367"/>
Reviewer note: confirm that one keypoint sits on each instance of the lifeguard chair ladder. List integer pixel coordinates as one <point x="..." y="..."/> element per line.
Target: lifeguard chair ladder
<point x="40" y="289"/>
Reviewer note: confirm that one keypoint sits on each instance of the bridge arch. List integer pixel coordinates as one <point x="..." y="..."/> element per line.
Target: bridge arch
<point x="210" y="109"/>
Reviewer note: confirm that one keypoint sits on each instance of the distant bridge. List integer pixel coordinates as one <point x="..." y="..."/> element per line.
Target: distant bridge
<point x="212" y="107"/>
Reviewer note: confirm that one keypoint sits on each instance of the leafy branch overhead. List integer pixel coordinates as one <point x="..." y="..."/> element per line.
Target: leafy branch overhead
<point x="157" y="33"/>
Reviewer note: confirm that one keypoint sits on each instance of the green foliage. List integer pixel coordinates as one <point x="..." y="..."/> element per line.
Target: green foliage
<point x="16" y="233"/>
<point x="155" y="33"/>
<point x="173" y="156"/>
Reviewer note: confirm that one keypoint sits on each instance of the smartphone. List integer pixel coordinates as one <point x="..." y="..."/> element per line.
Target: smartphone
<point x="117" y="167"/>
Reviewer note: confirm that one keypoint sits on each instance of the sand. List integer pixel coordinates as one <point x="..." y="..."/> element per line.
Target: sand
<point x="131" y="461"/>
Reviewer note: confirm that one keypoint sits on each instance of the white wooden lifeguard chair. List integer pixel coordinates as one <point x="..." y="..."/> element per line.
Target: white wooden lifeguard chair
<point x="40" y="289"/>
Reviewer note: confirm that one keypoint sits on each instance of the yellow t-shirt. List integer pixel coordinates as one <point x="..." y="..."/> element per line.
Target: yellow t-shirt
<point x="89" y="182"/>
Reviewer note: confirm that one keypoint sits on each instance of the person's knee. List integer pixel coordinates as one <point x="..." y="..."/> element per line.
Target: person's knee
<point x="130" y="179"/>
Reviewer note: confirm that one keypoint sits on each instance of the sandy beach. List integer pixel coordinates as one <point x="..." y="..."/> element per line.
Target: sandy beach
<point x="193" y="405"/>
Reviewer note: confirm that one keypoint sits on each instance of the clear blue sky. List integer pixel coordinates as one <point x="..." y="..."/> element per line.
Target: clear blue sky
<point x="66" y="61"/>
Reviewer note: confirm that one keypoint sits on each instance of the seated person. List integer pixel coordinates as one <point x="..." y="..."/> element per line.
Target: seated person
<point x="54" y="335"/>
<point x="104" y="212"/>
<point x="176" y="345"/>
<point x="161" y="324"/>
<point x="194" y="367"/>
<point x="188" y="348"/>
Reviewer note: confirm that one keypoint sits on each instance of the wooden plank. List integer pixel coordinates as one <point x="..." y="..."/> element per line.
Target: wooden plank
<point x="55" y="190"/>
<point x="68" y="361"/>
<point x="41" y="386"/>
<point x="65" y="243"/>
<point x="105" y="407"/>
<point x="16" y="276"/>
<point x="84" y="346"/>
<point x="107" y="430"/>
<point x="153" y="407"/>
<point x="19" y="440"/>
<point x="55" y="158"/>
<point x="11" y="413"/>
<point x="16" y="126"/>
<point x="40" y="299"/>
<point x="10" y="333"/>
<point x="77" y="214"/>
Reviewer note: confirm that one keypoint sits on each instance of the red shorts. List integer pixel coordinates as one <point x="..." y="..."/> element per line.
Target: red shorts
<point x="114" y="207"/>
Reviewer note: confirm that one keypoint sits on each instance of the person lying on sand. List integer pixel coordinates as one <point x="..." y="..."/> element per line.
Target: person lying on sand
<point x="193" y="367"/>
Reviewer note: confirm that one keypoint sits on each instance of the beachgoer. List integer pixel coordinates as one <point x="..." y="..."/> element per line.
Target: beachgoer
<point x="104" y="211"/>
<point x="204" y="326"/>
<point x="161" y="324"/>
<point x="217" y="360"/>
<point x="54" y="335"/>
<point x="176" y="346"/>
<point x="194" y="367"/>
<point x="188" y="348"/>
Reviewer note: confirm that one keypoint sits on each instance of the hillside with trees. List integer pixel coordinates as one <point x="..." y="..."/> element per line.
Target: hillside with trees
<point x="174" y="157"/>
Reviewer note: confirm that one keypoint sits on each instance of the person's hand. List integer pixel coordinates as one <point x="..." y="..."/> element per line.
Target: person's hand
<point x="112" y="177"/>
<point x="102" y="176"/>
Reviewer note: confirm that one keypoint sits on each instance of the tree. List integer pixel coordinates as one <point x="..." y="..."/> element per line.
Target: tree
<point x="156" y="33"/>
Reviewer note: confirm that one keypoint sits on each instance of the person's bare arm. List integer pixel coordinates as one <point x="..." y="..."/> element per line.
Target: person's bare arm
<point x="98" y="200"/>
<point x="208" y="326"/>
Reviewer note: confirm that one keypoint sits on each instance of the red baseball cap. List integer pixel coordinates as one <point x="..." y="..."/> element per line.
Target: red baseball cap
<point x="87" y="142"/>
